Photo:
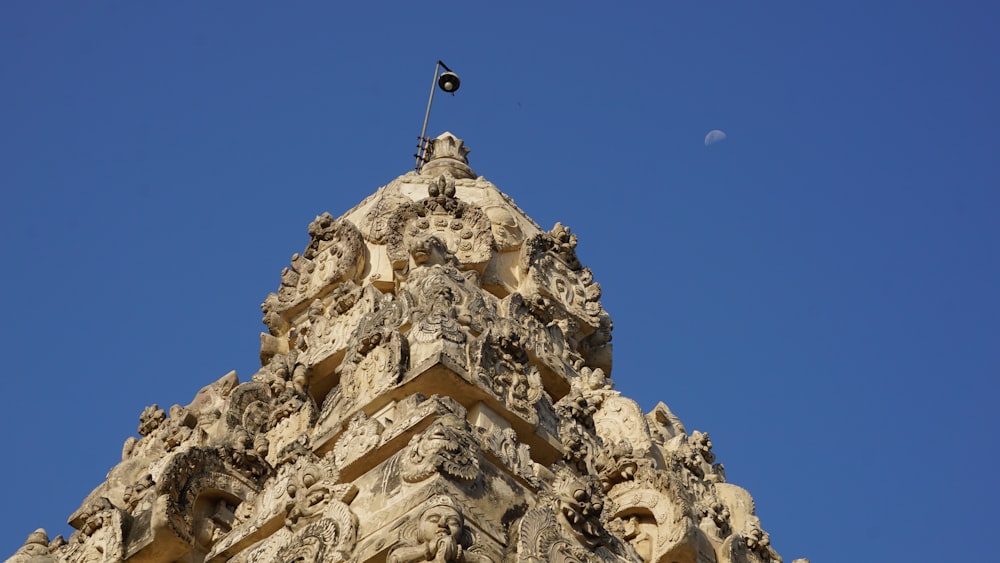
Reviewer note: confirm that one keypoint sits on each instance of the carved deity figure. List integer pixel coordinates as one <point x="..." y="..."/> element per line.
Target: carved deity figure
<point x="441" y="320"/>
<point x="503" y="364"/>
<point x="641" y="533"/>
<point x="374" y="364"/>
<point x="373" y="356"/>
<point x="440" y="535"/>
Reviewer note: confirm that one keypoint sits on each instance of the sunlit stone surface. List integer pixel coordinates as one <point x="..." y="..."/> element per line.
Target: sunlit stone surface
<point x="434" y="387"/>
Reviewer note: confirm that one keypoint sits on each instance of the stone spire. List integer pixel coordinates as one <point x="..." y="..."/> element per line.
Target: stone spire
<point x="433" y="387"/>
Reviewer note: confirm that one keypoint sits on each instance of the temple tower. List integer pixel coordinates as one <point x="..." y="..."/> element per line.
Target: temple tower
<point x="434" y="387"/>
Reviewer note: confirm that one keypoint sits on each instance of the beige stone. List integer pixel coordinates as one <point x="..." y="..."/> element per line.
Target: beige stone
<point x="433" y="387"/>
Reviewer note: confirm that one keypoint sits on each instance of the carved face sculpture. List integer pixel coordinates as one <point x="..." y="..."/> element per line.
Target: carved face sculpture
<point x="581" y="505"/>
<point x="445" y="446"/>
<point x="435" y="536"/>
<point x="310" y="493"/>
<point x="442" y="297"/>
<point x="504" y="227"/>
<point x="439" y="521"/>
<point x="440" y="436"/>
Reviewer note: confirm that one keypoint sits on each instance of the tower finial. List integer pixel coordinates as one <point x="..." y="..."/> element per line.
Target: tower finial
<point x="447" y="153"/>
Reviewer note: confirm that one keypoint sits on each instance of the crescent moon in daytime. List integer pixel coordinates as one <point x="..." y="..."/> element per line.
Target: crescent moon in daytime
<point x="715" y="136"/>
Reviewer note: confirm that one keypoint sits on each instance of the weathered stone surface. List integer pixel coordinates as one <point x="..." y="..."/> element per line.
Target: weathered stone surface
<point x="434" y="386"/>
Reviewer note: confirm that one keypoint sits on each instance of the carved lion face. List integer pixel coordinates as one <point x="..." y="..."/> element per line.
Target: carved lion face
<point x="445" y="446"/>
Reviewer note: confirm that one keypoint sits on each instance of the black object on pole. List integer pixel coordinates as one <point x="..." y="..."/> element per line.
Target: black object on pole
<point x="447" y="81"/>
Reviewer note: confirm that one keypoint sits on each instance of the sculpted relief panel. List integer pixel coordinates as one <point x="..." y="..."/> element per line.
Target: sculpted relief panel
<point x="438" y="534"/>
<point x="434" y="386"/>
<point x="336" y="253"/>
<point x="447" y="446"/>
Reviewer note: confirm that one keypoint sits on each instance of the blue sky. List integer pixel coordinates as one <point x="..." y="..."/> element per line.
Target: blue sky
<point x="818" y="290"/>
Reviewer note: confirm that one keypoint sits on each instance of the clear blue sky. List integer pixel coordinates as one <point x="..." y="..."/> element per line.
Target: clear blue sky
<point x="819" y="290"/>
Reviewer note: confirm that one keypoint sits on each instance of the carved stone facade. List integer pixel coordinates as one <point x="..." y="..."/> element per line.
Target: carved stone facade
<point x="433" y="387"/>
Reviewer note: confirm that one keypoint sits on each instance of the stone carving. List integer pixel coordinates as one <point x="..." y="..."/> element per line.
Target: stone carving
<point x="313" y="544"/>
<point x="335" y="253"/>
<point x="410" y="411"/>
<point x="447" y="155"/>
<point x="563" y="291"/>
<point x="621" y="427"/>
<point x="162" y="433"/>
<point x="208" y="404"/>
<point x="698" y="457"/>
<point x="380" y="220"/>
<point x="504" y="446"/>
<point x="438" y="535"/>
<point x="507" y="233"/>
<point x="101" y="537"/>
<point x="135" y="492"/>
<point x="269" y="412"/>
<point x="439" y="229"/>
<point x="502" y="364"/>
<point x="541" y="536"/>
<point x="327" y="326"/>
<point x="151" y="419"/>
<point x="580" y="444"/>
<point x="363" y="434"/>
<point x="754" y="547"/>
<point x="250" y="405"/>
<point x="373" y="365"/>
<point x="656" y="522"/>
<point x="447" y="446"/>
<point x="461" y="357"/>
<point x="545" y="343"/>
<point x="580" y="502"/>
<point x="35" y="549"/>
<point x="202" y="488"/>
<point x="561" y="242"/>
<point x="664" y="425"/>
<point x="448" y="309"/>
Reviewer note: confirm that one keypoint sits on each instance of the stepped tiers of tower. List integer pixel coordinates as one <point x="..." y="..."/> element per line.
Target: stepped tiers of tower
<point x="433" y="387"/>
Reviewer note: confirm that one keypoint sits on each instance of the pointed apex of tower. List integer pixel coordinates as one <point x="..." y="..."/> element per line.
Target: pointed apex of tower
<point x="447" y="153"/>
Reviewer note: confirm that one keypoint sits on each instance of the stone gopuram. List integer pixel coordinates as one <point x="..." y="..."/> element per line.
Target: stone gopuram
<point x="434" y="387"/>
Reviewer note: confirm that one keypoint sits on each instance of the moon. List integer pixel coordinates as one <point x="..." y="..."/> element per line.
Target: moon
<point x="715" y="136"/>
